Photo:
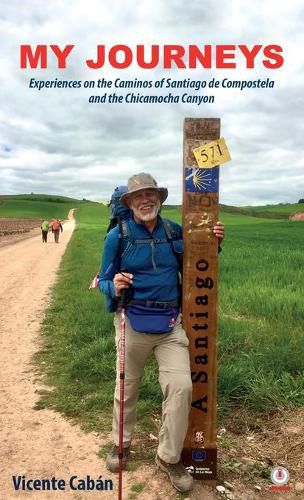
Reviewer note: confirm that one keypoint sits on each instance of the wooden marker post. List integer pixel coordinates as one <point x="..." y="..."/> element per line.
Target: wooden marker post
<point x="200" y="213"/>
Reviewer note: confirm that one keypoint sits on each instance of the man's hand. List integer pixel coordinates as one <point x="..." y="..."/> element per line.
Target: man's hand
<point x="219" y="231"/>
<point x="121" y="281"/>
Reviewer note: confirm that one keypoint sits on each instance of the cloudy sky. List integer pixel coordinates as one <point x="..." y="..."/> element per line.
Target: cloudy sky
<point x="55" y="141"/>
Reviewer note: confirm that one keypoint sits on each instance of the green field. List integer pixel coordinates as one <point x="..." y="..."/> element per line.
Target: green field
<point x="37" y="206"/>
<point x="282" y="208"/>
<point x="281" y="211"/>
<point x="261" y="317"/>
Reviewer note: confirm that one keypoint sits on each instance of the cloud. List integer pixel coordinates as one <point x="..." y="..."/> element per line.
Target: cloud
<point x="54" y="141"/>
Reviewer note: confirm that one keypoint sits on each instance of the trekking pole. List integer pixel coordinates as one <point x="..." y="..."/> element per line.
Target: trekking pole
<point x="122" y="343"/>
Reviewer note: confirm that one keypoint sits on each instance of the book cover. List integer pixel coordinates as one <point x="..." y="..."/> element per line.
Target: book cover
<point x="93" y="92"/>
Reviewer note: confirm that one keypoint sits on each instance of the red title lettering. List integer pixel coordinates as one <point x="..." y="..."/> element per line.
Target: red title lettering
<point x="166" y="56"/>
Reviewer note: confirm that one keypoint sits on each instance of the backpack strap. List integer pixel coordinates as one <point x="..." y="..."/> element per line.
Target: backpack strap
<point x="122" y="236"/>
<point x="171" y="234"/>
<point x="123" y="228"/>
<point x="171" y="237"/>
<point x="150" y="240"/>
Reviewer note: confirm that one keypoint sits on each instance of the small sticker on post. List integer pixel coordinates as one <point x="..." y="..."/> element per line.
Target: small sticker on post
<point x="212" y="154"/>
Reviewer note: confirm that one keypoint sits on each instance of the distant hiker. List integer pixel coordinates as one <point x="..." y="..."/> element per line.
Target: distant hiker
<point x="56" y="228"/>
<point x="45" y="226"/>
<point x="145" y="260"/>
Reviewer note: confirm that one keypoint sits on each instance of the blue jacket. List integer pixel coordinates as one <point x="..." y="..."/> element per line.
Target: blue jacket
<point x="154" y="266"/>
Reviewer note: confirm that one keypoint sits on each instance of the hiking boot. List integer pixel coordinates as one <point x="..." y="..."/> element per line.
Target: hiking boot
<point x="178" y="475"/>
<point x="112" y="460"/>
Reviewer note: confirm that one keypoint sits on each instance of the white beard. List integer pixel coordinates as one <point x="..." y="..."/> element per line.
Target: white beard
<point x="147" y="217"/>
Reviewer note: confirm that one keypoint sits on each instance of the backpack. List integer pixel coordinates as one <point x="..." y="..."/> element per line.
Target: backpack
<point x="118" y="213"/>
<point x="56" y="225"/>
<point x="118" y="210"/>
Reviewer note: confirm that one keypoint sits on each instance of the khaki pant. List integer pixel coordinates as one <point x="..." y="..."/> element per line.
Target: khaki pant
<point x="172" y="355"/>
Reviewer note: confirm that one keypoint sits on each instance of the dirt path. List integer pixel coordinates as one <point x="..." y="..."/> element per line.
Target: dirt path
<point x="43" y="444"/>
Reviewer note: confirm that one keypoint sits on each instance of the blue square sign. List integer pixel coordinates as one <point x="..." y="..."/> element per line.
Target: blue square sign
<point x="203" y="180"/>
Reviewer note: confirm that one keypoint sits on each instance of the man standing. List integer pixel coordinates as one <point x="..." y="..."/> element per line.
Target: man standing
<point x="44" y="230"/>
<point x="56" y="227"/>
<point x="149" y="265"/>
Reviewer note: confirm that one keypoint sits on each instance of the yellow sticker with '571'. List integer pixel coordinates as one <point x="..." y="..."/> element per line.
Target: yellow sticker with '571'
<point x="212" y="154"/>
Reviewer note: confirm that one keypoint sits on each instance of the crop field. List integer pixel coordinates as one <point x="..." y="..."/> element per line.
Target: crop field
<point x="20" y="214"/>
<point x="260" y="335"/>
<point x="11" y="225"/>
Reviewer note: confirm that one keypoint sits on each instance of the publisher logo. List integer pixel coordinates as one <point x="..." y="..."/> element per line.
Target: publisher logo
<point x="279" y="477"/>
